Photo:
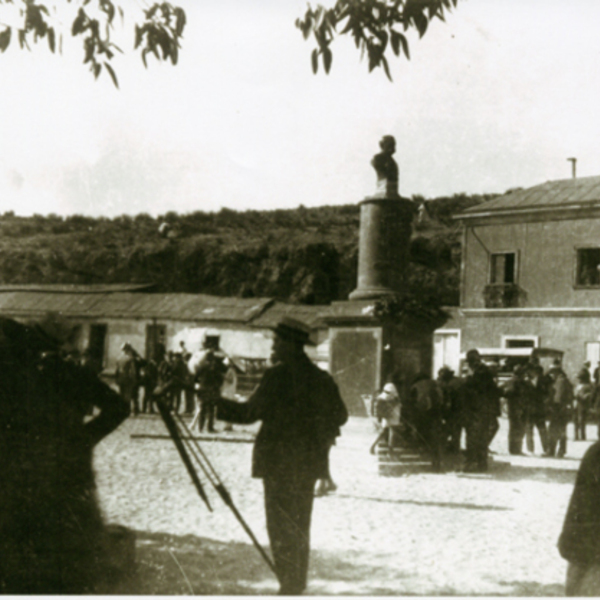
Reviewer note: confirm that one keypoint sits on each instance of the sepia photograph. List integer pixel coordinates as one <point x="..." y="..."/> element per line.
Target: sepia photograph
<point x="300" y="298"/>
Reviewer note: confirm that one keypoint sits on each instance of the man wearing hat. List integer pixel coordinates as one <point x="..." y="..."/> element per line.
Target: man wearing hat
<point x="301" y="412"/>
<point x="482" y="407"/>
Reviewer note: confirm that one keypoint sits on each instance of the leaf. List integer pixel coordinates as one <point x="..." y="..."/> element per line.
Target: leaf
<point x="144" y="52"/>
<point x="386" y="67"/>
<point x="5" y="39"/>
<point x="51" y="39"/>
<point x="180" y="21"/>
<point x="139" y="32"/>
<point x="79" y="23"/>
<point x="112" y="74"/>
<point x="315" y="60"/>
<point x="405" y="46"/>
<point x="327" y="58"/>
<point x="421" y="23"/>
<point x="395" y="41"/>
<point x="97" y="68"/>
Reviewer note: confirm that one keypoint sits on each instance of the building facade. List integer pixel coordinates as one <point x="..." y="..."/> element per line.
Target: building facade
<point x="530" y="274"/>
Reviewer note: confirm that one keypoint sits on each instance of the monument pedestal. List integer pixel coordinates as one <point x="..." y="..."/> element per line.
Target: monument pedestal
<point x="366" y="352"/>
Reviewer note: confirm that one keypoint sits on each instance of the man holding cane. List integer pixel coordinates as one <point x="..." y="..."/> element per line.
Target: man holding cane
<point x="301" y="412"/>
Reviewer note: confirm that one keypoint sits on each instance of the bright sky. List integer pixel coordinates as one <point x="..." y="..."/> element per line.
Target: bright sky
<point x="497" y="97"/>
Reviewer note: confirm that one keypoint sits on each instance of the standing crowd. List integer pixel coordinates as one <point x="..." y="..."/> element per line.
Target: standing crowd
<point x="438" y="415"/>
<point x="186" y="382"/>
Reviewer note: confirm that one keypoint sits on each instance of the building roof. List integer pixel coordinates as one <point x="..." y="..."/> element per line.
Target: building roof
<point x="565" y="193"/>
<point x="180" y="307"/>
<point x="61" y="288"/>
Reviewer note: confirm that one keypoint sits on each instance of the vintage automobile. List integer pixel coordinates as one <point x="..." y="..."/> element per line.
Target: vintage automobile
<point x="504" y="360"/>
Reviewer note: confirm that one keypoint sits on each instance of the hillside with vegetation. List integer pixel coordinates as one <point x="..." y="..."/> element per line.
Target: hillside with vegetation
<point x="303" y="255"/>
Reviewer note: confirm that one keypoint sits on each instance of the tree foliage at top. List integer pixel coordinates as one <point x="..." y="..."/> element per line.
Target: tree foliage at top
<point x="158" y="30"/>
<point x="376" y="26"/>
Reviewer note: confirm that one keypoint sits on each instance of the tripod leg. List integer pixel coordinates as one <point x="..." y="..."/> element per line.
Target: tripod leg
<point x="172" y="427"/>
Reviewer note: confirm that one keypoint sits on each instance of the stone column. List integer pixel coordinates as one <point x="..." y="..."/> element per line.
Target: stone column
<point x="383" y="252"/>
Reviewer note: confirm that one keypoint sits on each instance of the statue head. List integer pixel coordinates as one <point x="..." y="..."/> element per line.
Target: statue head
<point x="386" y="168"/>
<point x="388" y="144"/>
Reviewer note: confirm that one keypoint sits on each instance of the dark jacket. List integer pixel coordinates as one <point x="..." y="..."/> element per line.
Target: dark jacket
<point x="301" y="412"/>
<point x="579" y="541"/>
<point x="48" y="509"/>
<point x="482" y="395"/>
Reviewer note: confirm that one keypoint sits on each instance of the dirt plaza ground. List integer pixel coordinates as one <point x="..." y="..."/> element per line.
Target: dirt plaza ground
<point x="417" y="534"/>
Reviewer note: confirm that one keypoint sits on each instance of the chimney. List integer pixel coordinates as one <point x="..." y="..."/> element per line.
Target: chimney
<point x="573" y="167"/>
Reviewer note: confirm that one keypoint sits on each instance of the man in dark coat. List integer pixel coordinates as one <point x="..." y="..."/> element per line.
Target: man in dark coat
<point x="452" y="392"/>
<point x="427" y="400"/>
<point x="482" y="404"/>
<point x="208" y="369"/>
<point x="560" y="403"/>
<point x="517" y="391"/>
<point x="127" y="376"/>
<point x="52" y="538"/>
<point x="579" y="542"/>
<point x="535" y="410"/>
<point x="301" y="412"/>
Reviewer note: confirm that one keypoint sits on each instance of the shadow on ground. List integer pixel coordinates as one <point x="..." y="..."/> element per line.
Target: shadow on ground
<point x="504" y="471"/>
<point x="179" y="565"/>
<point x="170" y="565"/>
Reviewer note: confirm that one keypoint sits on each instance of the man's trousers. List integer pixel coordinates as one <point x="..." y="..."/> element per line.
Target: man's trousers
<point x="288" y="506"/>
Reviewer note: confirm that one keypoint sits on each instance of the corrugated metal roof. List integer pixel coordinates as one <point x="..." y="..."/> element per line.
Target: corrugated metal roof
<point x="181" y="307"/>
<point x="552" y="194"/>
<point x="60" y="288"/>
<point x="309" y="314"/>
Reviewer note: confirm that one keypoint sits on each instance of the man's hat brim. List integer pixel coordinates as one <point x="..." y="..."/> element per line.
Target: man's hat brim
<point x="291" y="330"/>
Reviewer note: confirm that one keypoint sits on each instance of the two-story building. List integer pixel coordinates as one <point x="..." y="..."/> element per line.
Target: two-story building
<point x="530" y="274"/>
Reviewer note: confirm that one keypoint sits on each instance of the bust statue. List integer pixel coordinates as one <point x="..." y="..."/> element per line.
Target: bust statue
<point x="386" y="168"/>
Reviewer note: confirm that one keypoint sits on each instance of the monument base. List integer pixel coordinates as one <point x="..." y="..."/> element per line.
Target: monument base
<point x="366" y="352"/>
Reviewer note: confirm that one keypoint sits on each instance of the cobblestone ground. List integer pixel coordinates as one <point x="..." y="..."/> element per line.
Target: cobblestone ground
<point x="420" y="533"/>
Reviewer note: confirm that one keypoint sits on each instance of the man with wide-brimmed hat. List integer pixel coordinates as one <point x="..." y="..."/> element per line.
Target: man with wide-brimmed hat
<point x="301" y="412"/>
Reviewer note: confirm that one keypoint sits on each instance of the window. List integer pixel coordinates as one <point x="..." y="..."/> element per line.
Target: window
<point x="588" y="266"/>
<point x="503" y="267"/>
<point x="520" y="341"/>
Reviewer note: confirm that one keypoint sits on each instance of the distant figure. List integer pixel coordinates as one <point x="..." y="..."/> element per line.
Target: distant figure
<point x="559" y="406"/>
<point x="482" y="407"/>
<point x="148" y="374"/>
<point x="535" y="409"/>
<point x="52" y="538"/>
<point x="579" y="542"/>
<point x="426" y="400"/>
<point x="386" y="168"/>
<point x="208" y="368"/>
<point x="127" y="376"/>
<point x="453" y="409"/>
<point x="387" y="410"/>
<point x="517" y="391"/>
<point x="584" y="393"/>
<point x="301" y="412"/>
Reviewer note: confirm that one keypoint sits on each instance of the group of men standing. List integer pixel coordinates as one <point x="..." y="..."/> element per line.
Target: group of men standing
<point x="439" y="411"/>
<point x="186" y="382"/>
